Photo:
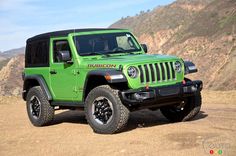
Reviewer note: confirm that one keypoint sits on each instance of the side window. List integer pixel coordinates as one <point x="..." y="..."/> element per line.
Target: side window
<point x="60" y="45"/>
<point x="37" y="54"/>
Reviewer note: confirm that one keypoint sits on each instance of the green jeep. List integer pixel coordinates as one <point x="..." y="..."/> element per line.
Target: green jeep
<point x="107" y="73"/>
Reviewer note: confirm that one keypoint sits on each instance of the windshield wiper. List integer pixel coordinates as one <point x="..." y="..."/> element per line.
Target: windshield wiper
<point x="122" y="52"/>
<point x="118" y="50"/>
<point x="95" y="53"/>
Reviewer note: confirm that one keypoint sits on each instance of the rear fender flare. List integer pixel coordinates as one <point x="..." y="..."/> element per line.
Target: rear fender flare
<point x="41" y="82"/>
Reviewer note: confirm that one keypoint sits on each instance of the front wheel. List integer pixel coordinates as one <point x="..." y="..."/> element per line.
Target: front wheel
<point x="187" y="112"/>
<point x="104" y="110"/>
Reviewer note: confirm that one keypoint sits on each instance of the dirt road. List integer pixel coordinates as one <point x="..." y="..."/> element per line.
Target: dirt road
<point x="148" y="133"/>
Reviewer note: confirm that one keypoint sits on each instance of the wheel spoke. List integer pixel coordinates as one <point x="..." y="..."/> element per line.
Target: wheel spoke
<point x="35" y="107"/>
<point x="102" y="110"/>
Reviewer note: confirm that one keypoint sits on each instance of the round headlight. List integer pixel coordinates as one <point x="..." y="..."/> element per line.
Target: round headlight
<point x="178" y="66"/>
<point x="132" y="72"/>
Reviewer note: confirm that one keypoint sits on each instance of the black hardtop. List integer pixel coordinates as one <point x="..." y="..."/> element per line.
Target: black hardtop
<point x="46" y="36"/>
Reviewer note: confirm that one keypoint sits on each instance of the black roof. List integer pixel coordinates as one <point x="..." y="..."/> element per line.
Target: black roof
<point x="66" y="32"/>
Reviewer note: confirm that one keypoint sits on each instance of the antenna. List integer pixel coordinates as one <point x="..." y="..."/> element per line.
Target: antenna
<point x="74" y="39"/>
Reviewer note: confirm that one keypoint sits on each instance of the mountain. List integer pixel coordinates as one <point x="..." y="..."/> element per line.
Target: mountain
<point x="11" y="67"/>
<point x="13" y="52"/>
<point x="10" y="76"/>
<point x="203" y="31"/>
<point x="3" y="62"/>
<point x="7" y="55"/>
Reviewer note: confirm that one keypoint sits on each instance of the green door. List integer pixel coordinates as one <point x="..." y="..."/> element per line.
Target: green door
<point x="63" y="78"/>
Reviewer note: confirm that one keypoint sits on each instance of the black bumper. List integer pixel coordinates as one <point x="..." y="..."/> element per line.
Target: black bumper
<point x="160" y="96"/>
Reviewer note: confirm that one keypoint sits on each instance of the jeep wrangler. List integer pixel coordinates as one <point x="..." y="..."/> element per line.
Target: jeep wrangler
<point x="108" y="74"/>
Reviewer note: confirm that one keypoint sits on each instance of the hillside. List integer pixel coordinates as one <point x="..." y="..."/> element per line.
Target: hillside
<point x="13" y="52"/>
<point x="200" y="30"/>
<point x="10" y="76"/>
<point x="3" y="62"/>
<point x="7" y="55"/>
<point x="11" y="66"/>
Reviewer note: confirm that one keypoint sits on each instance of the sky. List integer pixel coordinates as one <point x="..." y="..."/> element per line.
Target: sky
<point x="22" y="19"/>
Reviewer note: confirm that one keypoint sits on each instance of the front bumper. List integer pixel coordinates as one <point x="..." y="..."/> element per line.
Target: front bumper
<point x="160" y="96"/>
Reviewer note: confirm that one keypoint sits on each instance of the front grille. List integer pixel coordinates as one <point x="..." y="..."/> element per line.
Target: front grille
<point x="157" y="72"/>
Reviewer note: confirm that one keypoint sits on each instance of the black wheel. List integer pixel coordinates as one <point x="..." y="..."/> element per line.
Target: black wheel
<point x="39" y="110"/>
<point x="186" y="112"/>
<point x="104" y="110"/>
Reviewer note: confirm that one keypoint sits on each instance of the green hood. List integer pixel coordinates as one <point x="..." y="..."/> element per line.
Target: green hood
<point x="127" y="60"/>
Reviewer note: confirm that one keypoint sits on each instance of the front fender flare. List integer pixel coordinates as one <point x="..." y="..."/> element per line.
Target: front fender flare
<point x="111" y="75"/>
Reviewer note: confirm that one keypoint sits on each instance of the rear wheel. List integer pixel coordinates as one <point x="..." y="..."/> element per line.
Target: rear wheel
<point x="39" y="110"/>
<point x="187" y="112"/>
<point x="104" y="110"/>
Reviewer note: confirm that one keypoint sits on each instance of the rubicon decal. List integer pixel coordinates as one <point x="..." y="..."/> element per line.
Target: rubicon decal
<point x="101" y="65"/>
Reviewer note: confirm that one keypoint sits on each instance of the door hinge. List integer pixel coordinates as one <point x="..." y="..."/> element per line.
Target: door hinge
<point x="75" y="72"/>
<point x="75" y="89"/>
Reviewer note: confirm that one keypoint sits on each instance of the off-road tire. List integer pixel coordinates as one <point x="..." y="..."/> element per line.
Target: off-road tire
<point x="120" y="114"/>
<point x="47" y="111"/>
<point x="191" y="109"/>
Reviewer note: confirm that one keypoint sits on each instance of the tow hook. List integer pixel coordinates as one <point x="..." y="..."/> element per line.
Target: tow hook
<point x="181" y="106"/>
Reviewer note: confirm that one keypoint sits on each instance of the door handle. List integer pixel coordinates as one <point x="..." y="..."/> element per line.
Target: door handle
<point x="53" y="72"/>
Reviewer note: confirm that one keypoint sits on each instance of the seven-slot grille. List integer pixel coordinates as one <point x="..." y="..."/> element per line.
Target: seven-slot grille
<point x="157" y="72"/>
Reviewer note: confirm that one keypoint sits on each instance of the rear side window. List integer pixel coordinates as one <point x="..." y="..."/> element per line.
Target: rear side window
<point x="37" y="54"/>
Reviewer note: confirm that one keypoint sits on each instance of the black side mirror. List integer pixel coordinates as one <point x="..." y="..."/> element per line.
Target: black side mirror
<point x="145" y="48"/>
<point x="64" y="56"/>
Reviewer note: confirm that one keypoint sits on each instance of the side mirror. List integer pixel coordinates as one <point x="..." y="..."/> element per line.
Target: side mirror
<point x="145" y="48"/>
<point x="64" y="56"/>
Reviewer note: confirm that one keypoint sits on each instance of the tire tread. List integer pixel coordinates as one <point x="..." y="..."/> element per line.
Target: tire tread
<point x="47" y="111"/>
<point x="124" y="115"/>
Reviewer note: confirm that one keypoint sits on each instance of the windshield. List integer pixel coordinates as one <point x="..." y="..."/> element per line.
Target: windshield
<point x="106" y="44"/>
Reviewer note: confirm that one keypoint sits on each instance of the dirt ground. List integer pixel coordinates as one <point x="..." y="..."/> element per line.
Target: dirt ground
<point x="148" y="133"/>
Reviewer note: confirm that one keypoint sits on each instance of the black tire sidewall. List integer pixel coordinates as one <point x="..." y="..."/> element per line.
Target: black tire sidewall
<point x="42" y="120"/>
<point x="97" y="92"/>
